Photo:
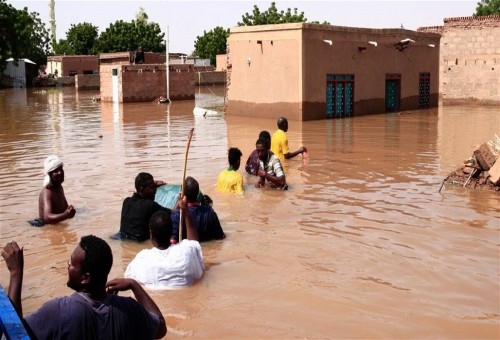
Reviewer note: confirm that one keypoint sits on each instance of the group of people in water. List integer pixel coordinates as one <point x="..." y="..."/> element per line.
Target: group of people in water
<point x="175" y="260"/>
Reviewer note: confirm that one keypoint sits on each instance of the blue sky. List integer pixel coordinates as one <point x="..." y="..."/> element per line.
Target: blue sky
<point x="188" y="19"/>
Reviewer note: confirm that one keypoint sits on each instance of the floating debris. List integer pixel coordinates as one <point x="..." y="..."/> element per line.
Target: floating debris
<point x="481" y="170"/>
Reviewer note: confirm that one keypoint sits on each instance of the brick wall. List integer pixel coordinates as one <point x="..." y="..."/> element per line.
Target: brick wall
<point x="146" y="82"/>
<point x="469" y="58"/>
<point x="87" y="81"/>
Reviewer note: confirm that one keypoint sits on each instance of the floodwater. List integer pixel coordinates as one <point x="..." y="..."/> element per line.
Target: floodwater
<point x="363" y="245"/>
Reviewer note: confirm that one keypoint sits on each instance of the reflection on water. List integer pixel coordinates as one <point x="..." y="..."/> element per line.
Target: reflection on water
<point x="361" y="246"/>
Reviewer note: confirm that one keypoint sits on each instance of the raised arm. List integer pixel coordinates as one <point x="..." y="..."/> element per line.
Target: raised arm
<point x="142" y="297"/>
<point x="14" y="258"/>
<point x="191" y="230"/>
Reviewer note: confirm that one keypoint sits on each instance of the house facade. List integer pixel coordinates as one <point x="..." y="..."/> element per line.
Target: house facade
<point x="71" y="65"/>
<point x="311" y="71"/>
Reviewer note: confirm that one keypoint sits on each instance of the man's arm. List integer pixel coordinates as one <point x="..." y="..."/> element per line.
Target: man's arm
<point x="116" y="285"/>
<point x="191" y="230"/>
<point x="277" y="180"/>
<point x="14" y="258"/>
<point x="295" y="153"/>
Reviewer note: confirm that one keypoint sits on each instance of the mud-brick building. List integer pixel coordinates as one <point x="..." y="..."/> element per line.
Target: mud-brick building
<point x="470" y="59"/>
<point x="71" y="65"/>
<point x="145" y="82"/>
<point x="310" y="71"/>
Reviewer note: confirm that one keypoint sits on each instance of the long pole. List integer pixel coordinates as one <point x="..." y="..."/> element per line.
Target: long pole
<point x="167" y="56"/>
<point x="183" y="180"/>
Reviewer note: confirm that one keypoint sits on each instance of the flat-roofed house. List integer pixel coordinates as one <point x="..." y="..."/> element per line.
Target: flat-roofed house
<point x="311" y="71"/>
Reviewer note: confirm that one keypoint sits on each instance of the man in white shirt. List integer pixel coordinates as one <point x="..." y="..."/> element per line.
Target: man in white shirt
<point x="168" y="265"/>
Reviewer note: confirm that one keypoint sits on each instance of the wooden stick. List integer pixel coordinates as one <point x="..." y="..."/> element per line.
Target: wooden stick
<point x="470" y="176"/>
<point x="183" y="179"/>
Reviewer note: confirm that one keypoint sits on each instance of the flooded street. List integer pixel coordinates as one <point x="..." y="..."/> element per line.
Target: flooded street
<point x="362" y="245"/>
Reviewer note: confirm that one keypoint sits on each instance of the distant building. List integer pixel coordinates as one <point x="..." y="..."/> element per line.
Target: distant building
<point x="310" y="71"/>
<point x="71" y="65"/>
<point x="17" y="73"/>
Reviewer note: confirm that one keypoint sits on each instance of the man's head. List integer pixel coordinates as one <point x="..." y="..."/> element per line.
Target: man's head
<point x="262" y="148"/>
<point x="283" y="124"/>
<point x="234" y="158"/>
<point x="145" y="185"/>
<point x="266" y="135"/>
<point x="53" y="171"/>
<point x="90" y="264"/>
<point x="191" y="189"/>
<point x="160" y="226"/>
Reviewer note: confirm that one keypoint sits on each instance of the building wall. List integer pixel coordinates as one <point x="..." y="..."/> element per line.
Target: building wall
<point x="265" y="77"/>
<point x="210" y="78"/>
<point x="146" y="82"/>
<point x="17" y="73"/>
<point x="470" y="58"/>
<point x="280" y="70"/>
<point x="350" y="53"/>
<point x="87" y="81"/>
<point x="72" y="65"/>
<point x="221" y="62"/>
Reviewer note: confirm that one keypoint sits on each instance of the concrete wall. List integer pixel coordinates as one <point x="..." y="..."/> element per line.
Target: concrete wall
<point x="470" y="59"/>
<point x="146" y="82"/>
<point x="280" y="70"/>
<point x="87" y="81"/>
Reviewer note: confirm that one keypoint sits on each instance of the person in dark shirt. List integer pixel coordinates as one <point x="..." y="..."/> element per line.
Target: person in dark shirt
<point x="94" y="310"/>
<point x="203" y="216"/>
<point x="139" y="56"/>
<point x="138" y="209"/>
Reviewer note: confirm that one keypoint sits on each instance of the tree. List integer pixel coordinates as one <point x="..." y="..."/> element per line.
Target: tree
<point x="22" y="35"/>
<point x="488" y="7"/>
<point x="211" y="43"/>
<point x="128" y="36"/>
<point x="271" y="16"/>
<point x="80" y="39"/>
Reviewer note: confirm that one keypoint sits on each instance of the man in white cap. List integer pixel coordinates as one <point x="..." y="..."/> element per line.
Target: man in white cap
<point x="52" y="205"/>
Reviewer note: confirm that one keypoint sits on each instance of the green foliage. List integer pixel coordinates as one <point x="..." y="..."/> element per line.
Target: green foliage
<point x="488" y="7"/>
<point x="211" y="44"/>
<point x="271" y="16"/>
<point x="128" y="36"/>
<point x="22" y="35"/>
<point x="80" y="40"/>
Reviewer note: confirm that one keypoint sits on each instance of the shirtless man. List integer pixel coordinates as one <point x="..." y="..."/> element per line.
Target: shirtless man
<point x="52" y="205"/>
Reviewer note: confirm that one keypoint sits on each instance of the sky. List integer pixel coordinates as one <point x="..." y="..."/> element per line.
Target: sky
<point x="186" y="20"/>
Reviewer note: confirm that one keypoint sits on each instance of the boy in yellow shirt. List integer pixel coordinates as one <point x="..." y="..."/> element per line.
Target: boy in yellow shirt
<point x="230" y="180"/>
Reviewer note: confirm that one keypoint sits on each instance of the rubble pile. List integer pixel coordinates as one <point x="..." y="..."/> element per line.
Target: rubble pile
<point x="481" y="170"/>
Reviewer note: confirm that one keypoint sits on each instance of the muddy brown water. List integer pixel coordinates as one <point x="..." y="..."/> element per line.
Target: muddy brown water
<point x="362" y="245"/>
